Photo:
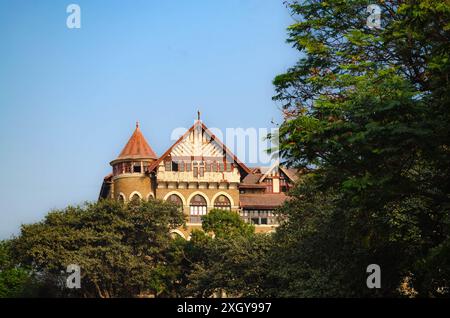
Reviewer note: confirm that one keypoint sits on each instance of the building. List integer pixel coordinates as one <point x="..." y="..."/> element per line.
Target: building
<point x="198" y="173"/>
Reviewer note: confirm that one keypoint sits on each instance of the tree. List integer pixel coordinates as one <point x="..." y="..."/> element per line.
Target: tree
<point x="223" y="223"/>
<point x="14" y="279"/>
<point x="366" y="112"/>
<point x="121" y="249"/>
<point x="231" y="262"/>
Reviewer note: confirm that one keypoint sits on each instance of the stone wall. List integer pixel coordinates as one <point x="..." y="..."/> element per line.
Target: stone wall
<point x="128" y="184"/>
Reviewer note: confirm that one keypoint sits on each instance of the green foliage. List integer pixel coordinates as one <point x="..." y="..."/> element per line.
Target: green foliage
<point x="366" y="111"/>
<point x="233" y="262"/>
<point x="14" y="279"/>
<point x="366" y="114"/>
<point x="121" y="249"/>
<point x="225" y="223"/>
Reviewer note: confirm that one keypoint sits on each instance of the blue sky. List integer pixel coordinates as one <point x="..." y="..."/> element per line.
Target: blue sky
<point x="69" y="99"/>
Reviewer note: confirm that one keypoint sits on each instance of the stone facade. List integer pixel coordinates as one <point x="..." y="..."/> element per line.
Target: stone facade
<point x="131" y="184"/>
<point x="198" y="173"/>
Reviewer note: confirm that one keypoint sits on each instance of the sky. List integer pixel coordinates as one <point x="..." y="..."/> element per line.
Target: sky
<point x="69" y="98"/>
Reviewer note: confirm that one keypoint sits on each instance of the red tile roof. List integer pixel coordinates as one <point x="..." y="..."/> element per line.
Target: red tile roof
<point x="251" y="186"/>
<point x="137" y="147"/>
<point x="252" y="178"/>
<point x="262" y="201"/>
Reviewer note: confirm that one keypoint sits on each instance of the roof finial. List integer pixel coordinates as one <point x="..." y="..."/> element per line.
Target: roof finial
<point x="137" y="124"/>
<point x="198" y="114"/>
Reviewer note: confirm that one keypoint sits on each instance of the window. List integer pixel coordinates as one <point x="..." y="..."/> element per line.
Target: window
<point x="214" y="166"/>
<point x="145" y="167"/>
<point x="188" y="166"/>
<point x="255" y="221"/>
<point x="195" y="172"/>
<point x="117" y="169"/>
<point x="121" y="198"/>
<point x="221" y="167"/>
<point x="259" y="217"/>
<point x="174" y="166"/>
<point x="228" y="166"/>
<point x="202" y="171"/>
<point x="168" y="165"/>
<point x="135" y="198"/>
<point x="197" y="209"/>
<point x="181" y="166"/>
<point x="137" y="167"/>
<point x="284" y="185"/>
<point x="208" y="166"/>
<point x="222" y="202"/>
<point x="269" y="185"/>
<point x="176" y="200"/>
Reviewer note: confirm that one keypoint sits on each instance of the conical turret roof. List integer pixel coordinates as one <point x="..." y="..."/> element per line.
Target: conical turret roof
<point x="137" y="147"/>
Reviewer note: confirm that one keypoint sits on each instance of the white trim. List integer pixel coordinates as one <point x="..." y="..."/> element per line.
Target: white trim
<point x="150" y="194"/>
<point x="179" y="233"/>
<point x="273" y="166"/>
<point x="128" y="175"/>
<point x="123" y="196"/>
<point x="208" y="203"/>
<point x="176" y="193"/>
<point x="225" y="194"/>
<point x="133" y="193"/>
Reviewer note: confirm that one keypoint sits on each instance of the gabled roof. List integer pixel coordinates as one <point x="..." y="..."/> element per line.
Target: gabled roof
<point x="137" y="147"/>
<point x="212" y="137"/>
<point x="269" y="170"/>
<point x="291" y="173"/>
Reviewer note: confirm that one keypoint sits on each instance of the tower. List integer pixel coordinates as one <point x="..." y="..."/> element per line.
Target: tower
<point x="131" y="177"/>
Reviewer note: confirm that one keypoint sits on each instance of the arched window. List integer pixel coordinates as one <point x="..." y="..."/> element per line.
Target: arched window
<point x="197" y="208"/>
<point x="135" y="198"/>
<point x="121" y="198"/>
<point x="175" y="199"/>
<point x="177" y="234"/>
<point x="222" y="202"/>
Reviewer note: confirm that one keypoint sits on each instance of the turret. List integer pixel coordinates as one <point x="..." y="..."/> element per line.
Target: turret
<point x="131" y="178"/>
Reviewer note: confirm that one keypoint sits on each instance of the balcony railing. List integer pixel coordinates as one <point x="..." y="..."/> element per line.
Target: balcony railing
<point x="256" y="217"/>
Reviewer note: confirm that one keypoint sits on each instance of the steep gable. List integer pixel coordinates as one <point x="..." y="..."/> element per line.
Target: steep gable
<point x="199" y="143"/>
